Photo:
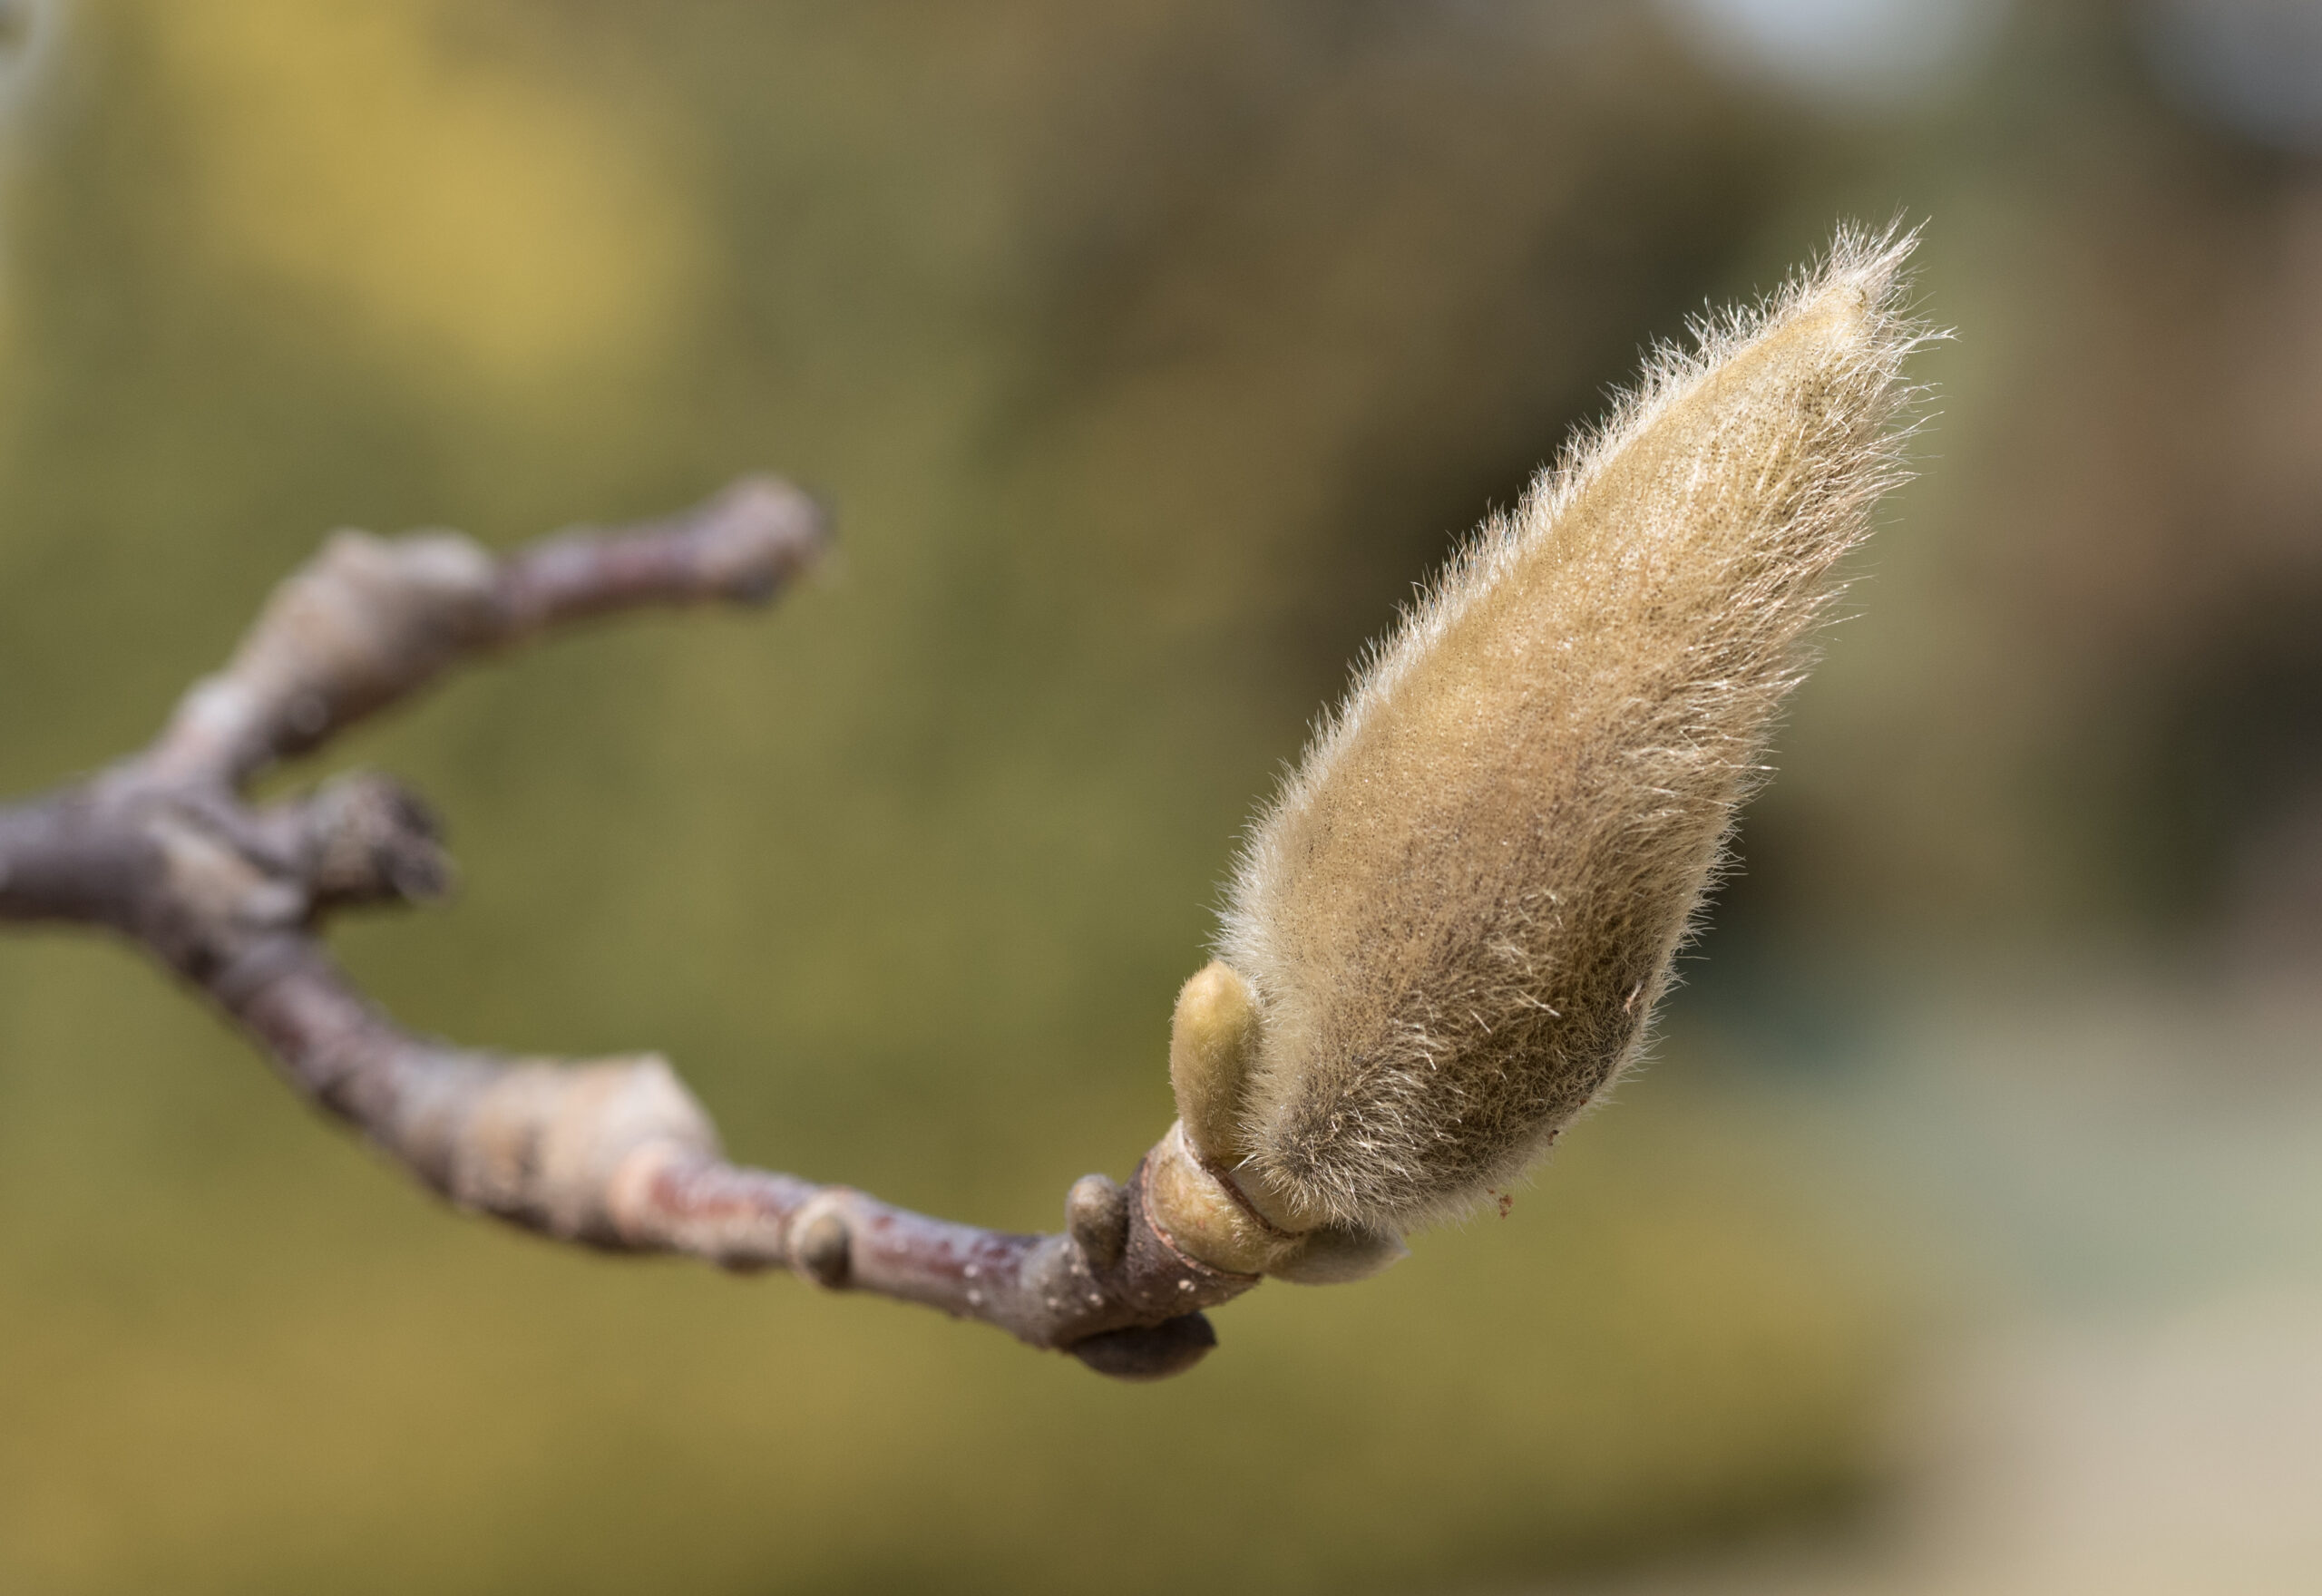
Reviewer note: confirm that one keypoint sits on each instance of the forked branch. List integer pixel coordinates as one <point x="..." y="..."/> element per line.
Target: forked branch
<point x="165" y="849"/>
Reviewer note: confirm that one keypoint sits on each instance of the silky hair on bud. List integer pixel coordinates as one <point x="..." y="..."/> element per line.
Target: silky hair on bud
<point x="1460" y="911"/>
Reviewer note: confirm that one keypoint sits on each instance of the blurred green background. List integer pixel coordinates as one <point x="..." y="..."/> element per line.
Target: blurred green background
<point x="1149" y="353"/>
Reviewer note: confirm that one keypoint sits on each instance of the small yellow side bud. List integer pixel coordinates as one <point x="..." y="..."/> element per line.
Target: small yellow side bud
<point x="1213" y="1042"/>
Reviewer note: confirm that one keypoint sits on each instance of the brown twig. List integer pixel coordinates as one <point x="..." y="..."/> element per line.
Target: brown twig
<point x="616" y="1153"/>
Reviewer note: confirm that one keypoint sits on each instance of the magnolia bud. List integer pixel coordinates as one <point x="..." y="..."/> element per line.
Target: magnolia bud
<point x="1449" y="929"/>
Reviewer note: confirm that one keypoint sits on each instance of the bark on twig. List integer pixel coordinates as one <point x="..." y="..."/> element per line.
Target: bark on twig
<point x="165" y="849"/>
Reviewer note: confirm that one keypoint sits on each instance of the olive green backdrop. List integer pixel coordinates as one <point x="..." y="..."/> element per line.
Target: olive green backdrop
<point x="1148" y="353"/>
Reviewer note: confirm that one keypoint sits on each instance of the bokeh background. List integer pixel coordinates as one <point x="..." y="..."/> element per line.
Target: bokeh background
<point x="1964" y="1233"/>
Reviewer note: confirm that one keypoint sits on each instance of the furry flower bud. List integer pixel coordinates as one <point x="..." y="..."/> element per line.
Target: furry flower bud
<point x="1459" y="913"/>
